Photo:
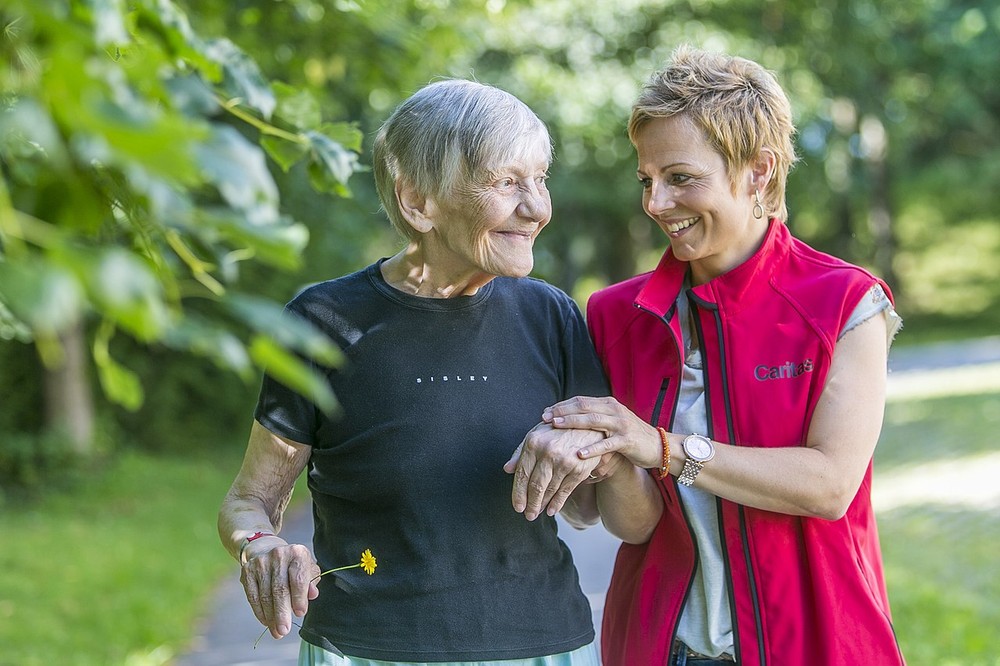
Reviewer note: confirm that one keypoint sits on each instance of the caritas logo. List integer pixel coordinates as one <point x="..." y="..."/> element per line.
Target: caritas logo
<point x="790" y="370"/>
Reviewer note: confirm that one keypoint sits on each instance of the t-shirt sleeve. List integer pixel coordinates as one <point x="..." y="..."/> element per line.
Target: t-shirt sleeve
<point x="584" y="373"/>
<point x="284" y="411"/>
<point x="874" y="302"/>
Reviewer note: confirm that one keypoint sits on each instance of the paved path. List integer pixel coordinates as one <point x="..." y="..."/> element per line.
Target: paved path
<point x="227" y="636"/>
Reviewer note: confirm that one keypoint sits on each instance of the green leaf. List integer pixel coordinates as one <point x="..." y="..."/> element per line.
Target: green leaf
<point x="268" y="317"/>
<point x="292" y="372"/>
<point x="191" y="95"/>
<point x="331" y="164"/>
<point x="297" y="107"/>
<point x="346" y="134"/>
<point x="337" y="160"/>
<point x="108" y="19"/>
<point x="124" y="288"/>
<point x="280" y="244"/>
<point x="238" y="170"/>
<point x="43" y="295"/>
<point x="164" y="20"/>
<point x="241" y="77"/>
<point x="27" y="131"/>
<point x="211" y="341"/>
<point x="111" y="124"/>
<point x="12" y="328"/>
<point x="284" y="152"/>
<point x="120" y="384"/>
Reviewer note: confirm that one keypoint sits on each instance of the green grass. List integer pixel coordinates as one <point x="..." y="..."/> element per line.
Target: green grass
<point x="117" y="570"/>
<point x="942" y="560"/>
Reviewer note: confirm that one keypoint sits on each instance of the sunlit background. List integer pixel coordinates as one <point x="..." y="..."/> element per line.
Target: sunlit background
<point x="145" y="242"/>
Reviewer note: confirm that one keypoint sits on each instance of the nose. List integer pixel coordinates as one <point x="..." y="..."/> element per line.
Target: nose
<point x="659" y="198"/>
<point x="535" y="204"/>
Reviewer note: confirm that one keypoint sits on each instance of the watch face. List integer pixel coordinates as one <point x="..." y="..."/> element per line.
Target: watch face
<point x="699" y="448"/>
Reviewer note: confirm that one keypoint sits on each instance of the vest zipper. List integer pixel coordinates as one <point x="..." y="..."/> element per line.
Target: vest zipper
<point x="655" y="419"/>
<point x="744" y="540"/>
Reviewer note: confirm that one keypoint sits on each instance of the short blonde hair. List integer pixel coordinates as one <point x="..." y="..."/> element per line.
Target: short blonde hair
<point x="739" y="106"/>
<point x="448" y="134"/>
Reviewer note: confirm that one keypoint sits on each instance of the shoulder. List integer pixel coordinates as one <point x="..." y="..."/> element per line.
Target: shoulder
<point x="316" y="300"/>
<point x="618" y="295"/>
<point x="823" y="288"/>
<point x="612" y="313"/>
<point x="332" y="288"/>
<point x="535" y="292"/>
<point x="807" y="268"/>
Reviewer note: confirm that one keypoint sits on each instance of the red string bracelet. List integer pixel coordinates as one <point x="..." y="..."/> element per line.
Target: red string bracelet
<point x="665" y="470"/>
<point x="250" y="539"/>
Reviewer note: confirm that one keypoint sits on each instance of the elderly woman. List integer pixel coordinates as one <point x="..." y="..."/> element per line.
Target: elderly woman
<point x="452" y="353"/>
<point x="748" y="372"/>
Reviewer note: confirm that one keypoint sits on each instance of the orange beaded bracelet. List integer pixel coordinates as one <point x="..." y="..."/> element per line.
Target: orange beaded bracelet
<point x="665" y="470"/>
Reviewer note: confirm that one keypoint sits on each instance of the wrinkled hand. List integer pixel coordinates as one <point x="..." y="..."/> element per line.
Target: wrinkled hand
<point x="627" y="434"/>
<point x="547" y="469"/>
<point x="278" y="583"/>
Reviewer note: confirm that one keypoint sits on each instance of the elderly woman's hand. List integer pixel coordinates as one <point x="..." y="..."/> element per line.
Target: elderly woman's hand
<point x="280" y="582"/>
<point x="547" y="469"/>
<point x="625" y="432"/>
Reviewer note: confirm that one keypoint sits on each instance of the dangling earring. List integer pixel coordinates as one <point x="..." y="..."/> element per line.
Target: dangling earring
<point x="758" y="208"/>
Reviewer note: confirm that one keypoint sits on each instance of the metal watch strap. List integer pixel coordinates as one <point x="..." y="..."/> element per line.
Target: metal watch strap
<point x="689" y="472"/>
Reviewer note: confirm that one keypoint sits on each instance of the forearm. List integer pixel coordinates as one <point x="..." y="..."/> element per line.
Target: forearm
<point x="799" y="480"/>
<point x="257" y="499"/>
<point x="581" y="509"/>
<point x="243" y="516"/>
<point x="630" y="504"/>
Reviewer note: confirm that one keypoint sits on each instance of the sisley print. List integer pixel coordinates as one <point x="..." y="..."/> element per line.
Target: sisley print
<point x="453" y="378"/>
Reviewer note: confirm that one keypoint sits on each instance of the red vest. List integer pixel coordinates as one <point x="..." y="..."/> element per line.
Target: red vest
<point x="803" y="591"/>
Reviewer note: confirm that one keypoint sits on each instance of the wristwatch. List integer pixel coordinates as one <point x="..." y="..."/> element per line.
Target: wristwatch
<point x="699" y="450"/>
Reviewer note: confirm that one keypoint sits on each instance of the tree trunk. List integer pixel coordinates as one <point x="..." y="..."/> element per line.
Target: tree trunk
<point x="69" y="405"/>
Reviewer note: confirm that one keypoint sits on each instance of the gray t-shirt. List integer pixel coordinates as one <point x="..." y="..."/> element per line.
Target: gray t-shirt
<point x="706" y="624"/>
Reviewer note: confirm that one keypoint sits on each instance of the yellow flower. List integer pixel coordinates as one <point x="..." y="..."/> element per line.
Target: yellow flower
<point x="368" y="562"/>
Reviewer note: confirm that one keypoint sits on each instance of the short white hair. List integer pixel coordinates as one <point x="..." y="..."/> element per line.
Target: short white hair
<point x="448" y="134"/>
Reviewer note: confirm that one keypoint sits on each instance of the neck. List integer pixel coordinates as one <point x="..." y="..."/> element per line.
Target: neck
<point x="702" y="271"/>
<point x="413" y="271"/>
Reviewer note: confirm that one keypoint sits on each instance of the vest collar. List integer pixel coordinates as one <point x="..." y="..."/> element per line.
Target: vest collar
<point x="664" y="284"/>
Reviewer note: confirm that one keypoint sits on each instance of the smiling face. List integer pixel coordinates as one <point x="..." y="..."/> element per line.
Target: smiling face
<point x="687" y="191"/>
<point x="488" y="227"/>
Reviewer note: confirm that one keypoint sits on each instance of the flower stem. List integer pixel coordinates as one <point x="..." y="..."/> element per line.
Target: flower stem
<point x="349" y="566"/>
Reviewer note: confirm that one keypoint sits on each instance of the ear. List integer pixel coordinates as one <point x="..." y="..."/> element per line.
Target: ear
<point x="762" y="170"/>
<point x="415" y="207"/>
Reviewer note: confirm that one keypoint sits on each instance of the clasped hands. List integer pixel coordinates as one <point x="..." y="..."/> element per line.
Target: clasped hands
<point x="581" y="440"/>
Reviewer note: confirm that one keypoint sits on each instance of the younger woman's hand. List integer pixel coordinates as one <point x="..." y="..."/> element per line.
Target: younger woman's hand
<point x="625" y="433"/>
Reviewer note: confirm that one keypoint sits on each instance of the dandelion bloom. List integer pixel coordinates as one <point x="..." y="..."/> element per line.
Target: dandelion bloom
<point x="368" y="562"/>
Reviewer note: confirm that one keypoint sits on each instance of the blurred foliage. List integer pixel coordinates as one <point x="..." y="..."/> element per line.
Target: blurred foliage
<point x="897" y="120"/>
<point x="135" y="192"/>
<point x="132" y="194"/>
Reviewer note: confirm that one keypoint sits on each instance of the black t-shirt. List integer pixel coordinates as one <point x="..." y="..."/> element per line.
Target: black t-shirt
<point x="435" y="395"/>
